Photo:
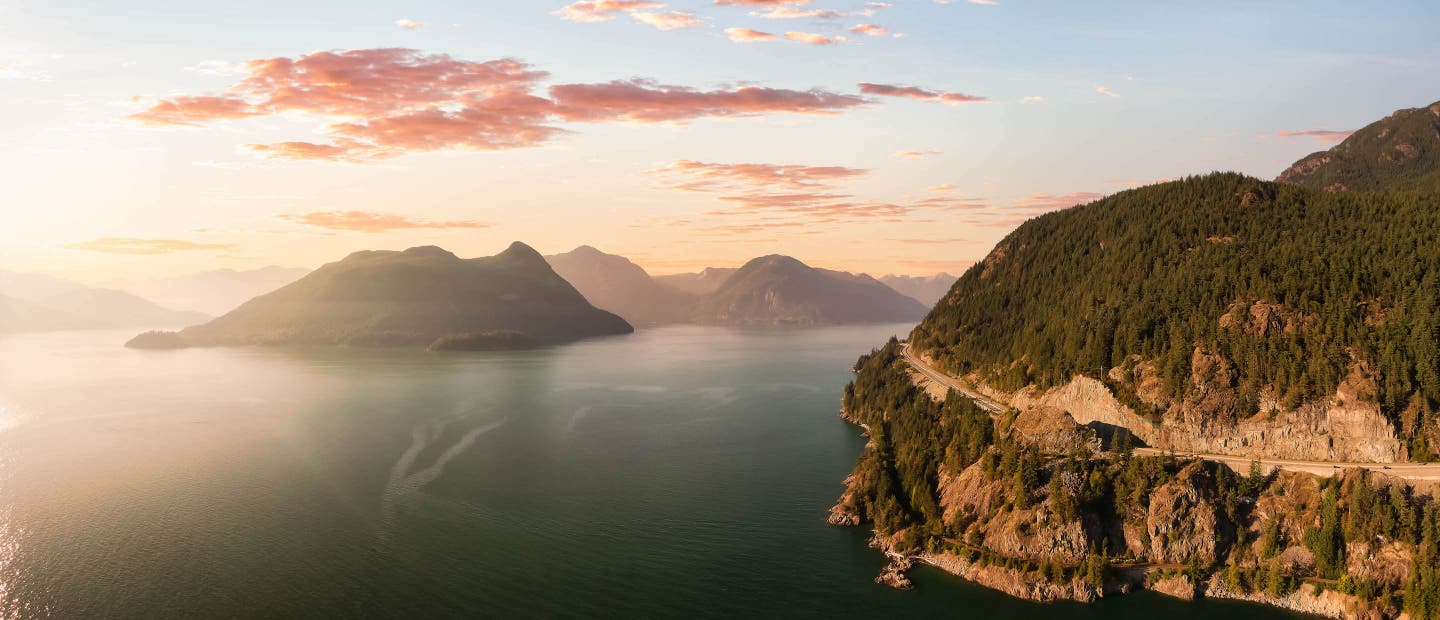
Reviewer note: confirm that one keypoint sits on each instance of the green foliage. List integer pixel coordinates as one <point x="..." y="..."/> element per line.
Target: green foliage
<point x="1150" y="273"/>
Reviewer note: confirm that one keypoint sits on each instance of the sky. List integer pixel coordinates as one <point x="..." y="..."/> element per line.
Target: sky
<point x="148" y="139"/>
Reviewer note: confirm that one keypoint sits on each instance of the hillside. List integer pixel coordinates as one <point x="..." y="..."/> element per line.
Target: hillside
<point x="35" y="302"/>
<point x="1209" y="301"/>
<point x="779" y="290"/>
<point x="615" y="284"/>
<point x="1395" y="152"/>
<point x="701" y="283"/>
<point x="924" y="289"/>
<point x="412" y="298"/>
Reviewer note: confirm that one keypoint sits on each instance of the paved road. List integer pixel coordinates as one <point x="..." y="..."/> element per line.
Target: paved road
<point x="1408" y="471"/>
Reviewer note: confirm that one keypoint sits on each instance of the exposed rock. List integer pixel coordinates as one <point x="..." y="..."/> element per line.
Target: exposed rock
<point x="846" y="512"/>
<point x="1178" y="586"/>
<point x="1021" y="584"/>
<point x="1307" y="599"/>
<point x="1183" y="522"/>
<point x="1049" y="429"/>
<point x="893" y="574"/>
<point x="1033" y="533"/>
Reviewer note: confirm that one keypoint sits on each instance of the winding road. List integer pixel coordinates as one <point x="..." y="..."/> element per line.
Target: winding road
<point x="1415" y="472"/>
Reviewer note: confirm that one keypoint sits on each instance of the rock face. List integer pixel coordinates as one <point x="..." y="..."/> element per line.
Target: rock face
<point x="698" y="284"/>
<point x="1391" y="152"/>
<point x="411" y="298"/>
<point x="1032" y="533"/>
<point x="1182" y="521"/>
<point x="779" y="290"/>
<point x="615" y="284"/>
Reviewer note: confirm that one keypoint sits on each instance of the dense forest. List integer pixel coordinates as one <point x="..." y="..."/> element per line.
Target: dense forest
<point x="1337" y="281"/>
<point x="1393" y="152"/>
<point x="914" y="438"/>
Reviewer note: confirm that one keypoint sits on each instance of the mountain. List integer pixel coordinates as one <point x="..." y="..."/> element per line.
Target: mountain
<point x="214" y="292"/>
<point x="98" y="308"/>
<point x="781" y="290"/>
<point x="412" y="298"/>
<point x="698" y="284"/>
<point x="33" y="287"/>
<point x="924" y="289"/>
<point x="37" y="302"/>
<point x="1216" y="315"/>
<point x="1395" y="152"/>
<point x="614" y="283"/>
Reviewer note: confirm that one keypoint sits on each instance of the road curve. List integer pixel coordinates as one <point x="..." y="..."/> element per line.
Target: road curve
<point x="1241" y="464"/>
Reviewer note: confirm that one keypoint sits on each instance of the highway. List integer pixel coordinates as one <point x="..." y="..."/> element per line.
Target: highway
<point x="1409" y="471"/>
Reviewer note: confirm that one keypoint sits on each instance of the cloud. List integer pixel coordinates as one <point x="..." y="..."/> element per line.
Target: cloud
<point x="785" y="12"/>
<point x="409" y="24"/>
<point x="870" y="29"/>
<point x="912" y="92"/>
<point x="1032" y="99"/>
<point x="126" y="245"/>
<point x="944" y="187"/>
<point x="369" y="222"/>
<point x="1324" y="136"/>
<point x="1044" y="203"/>
<point x="762" y="3"/>
<point x="22" y="69"/>
<point x="1106" y="91"/>
<point x="871" y="8"/>
<point x="811" y="38"/>
<point x="704" y="176"/>
<point x="668" y="20"/>
<point x="746" y="35"/>
<point x="916" y="154"/>
<point x="646" y="102"/>
<point x="381" y="103"/>
<point x="591" y="11"/>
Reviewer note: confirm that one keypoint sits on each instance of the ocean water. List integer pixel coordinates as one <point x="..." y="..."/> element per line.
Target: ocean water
<point x="678" y="472"/>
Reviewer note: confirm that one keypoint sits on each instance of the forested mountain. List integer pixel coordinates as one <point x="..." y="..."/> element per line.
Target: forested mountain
<point x="412" y="298"/>
<point x="1395" y="152"/>
<point x="701" y="283"/>
<point x="615" y="284"/>
<point x="924" y="289"/>
<point x="1271" y="293"/>
<point x="778" y="289"/>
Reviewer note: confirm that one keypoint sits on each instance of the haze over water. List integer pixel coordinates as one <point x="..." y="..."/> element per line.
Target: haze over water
<point x="677" y="472"/>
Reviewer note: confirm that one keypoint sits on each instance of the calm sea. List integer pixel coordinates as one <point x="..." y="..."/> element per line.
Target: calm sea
<point x="678" y="472"/>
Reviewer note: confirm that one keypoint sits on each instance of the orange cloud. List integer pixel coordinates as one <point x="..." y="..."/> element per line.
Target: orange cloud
<point x="591" y="11"/>
<point x="668" y="20"/>
<point x="811" y="38"/>
<point x="368" y="222"/>
<point x="913" y="92"/>
<point x="746" y="35"/>
<point x="409" y="24"/>
<point x="387" y="102"/>
<point x="1324" y="136"/>
<point x="870" y="29"/>
<point x="125" y="245"/>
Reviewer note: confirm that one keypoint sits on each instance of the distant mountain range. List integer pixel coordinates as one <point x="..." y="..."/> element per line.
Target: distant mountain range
<point x="213" y="292"/>
<point x="925" y="289"/>
<point x="34" y="302"/>
<point x="772" y="290"/>
<point x="620" y="286"/>
<point x="418" y="297"/>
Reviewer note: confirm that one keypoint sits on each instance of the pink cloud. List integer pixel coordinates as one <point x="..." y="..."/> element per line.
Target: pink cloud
<point x="668" y="20"/>
<point x="387" y="102"/>
<point x="409" y="24"/>
<point x="913" y="92"/>
<point x="704" y="176"/>
<point x="785" y="12"/>
<point x="762" y="3"/>
<point x="870" y="29"/>
<point x="811" y="38"/>
<point x="746" y="35"/>
<point x="1324" y="136"/>
<point x="647" y="102"/>
<point x="370" y="222"/>
<point x="590" y="11"/>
